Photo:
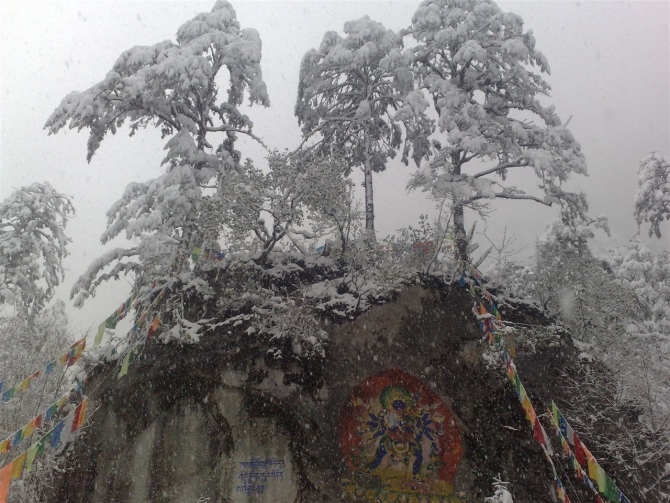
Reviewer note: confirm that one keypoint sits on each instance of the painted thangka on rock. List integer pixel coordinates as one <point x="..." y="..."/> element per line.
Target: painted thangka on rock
<point x="399" y="440"/>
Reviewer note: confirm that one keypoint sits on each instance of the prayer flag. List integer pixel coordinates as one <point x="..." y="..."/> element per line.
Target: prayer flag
<point x="79" y="415"/>
<point x="37" y="421"/>
<point x="596" y="473"/>
<point x="565" y="446"/>
<point x="195" y="254"/>
<point x="560" y="491"/>
<point x="154" y="326"/>
<point x="5" y="445"/>
<point x="77" y="349"/>
<point x="554" y="413"/>
<point x="472" y="290"/>
<point x="611" y="491"/>
<point x="27" y="430"/>
<point x="55" y="434"/>
<point x="50" y="367"/>
<point x="580" y="452"/>
<point x="50" y="412"/>
<point x="18" y="436"/>
<point x="8" y="395"/>
<point x="111" y="322"/>
<point x="24" y="384"/>
<point x="570" y="433"/>
<point x="101" y="332"/>
<point x="32" y="452"/>
<point x="41" y="444"/>
<point x="538" y="432"/>
<point x="17" y="466"/>
<point x="562" y="423"/>
<point x="5" y="481"/>
<point x="517" y="385"/>
<point x="125" y="364"/>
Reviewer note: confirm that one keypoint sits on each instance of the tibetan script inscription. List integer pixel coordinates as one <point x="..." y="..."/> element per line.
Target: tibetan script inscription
<point x="256" y="474"/>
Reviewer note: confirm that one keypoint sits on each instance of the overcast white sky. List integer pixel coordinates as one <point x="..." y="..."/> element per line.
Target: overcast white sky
<point x="610" y="71"/>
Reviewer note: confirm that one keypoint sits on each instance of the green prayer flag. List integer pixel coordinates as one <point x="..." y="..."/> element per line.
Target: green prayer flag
<point x="611" y="490"/>
<point x="517" y="384"/>
<point x="112" y="321"/>
<point x="41" y="444"/>
<point x="32" y="452"/>
<point x="125" y="364"/>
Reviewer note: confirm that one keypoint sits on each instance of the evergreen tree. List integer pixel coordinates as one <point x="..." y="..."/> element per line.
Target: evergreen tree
<point x="479" y="67"/>
<point x="352" y="94"/>
<point x="174" y="87"/>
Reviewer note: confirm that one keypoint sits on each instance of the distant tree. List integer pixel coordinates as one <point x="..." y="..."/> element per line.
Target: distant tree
<point x="353" y="93"/>
<point x="577" y="287"/>
<point x="174" y="87"/>
<point x="32" y="246"/>
<point x="652" y="200"/>
<point x="477" y="64"/>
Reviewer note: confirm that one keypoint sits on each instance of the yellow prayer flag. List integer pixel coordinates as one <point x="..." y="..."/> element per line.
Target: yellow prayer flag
<point x="596" y="473"/>
<point x="17" y="466"/>
<point x="28" y="429"/>
<point x="24" y="384"/>
<point x="5" y="481"/>
<point x="554" y="413"/>
<point x="528" y="408"/>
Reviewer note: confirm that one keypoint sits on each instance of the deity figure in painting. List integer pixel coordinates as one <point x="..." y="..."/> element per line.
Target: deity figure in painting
<point x="400" y="441"/>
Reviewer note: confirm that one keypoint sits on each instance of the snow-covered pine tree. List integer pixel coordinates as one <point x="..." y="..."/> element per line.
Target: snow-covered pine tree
<point x="352" y="94"/>
<point x="32" y="246"/>
<point x="652" y="200"/>
<point x="478" y="66"/>
<point x="172" y="86"/>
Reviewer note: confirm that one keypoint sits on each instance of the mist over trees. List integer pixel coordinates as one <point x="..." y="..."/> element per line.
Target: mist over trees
<point x="278" y="244"/>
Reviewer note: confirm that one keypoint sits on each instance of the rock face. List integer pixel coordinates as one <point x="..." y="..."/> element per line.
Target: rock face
<point x="404" y="408"/>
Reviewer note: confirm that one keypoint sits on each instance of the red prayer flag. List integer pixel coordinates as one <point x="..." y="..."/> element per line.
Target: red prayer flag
<point x="580" y="452"/>
<point x="79" y="415"/>
<point x="538" y="432"/>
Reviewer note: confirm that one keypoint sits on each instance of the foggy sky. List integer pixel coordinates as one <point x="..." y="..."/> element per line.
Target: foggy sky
<point x="610" y="72"/>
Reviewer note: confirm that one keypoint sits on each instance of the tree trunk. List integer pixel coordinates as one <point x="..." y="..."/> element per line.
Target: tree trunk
<point x="461" y="242"/>
<point x="369" y="201"/>
<point x="461" y="251"/>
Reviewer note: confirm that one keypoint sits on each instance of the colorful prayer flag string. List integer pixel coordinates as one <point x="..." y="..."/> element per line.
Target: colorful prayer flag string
<point x="491" y="322"/>
<point x="35" y="423"/>
<point x="66" y="359"/>
<point x="23" y="463"/>
<point x="583" y="458"/>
